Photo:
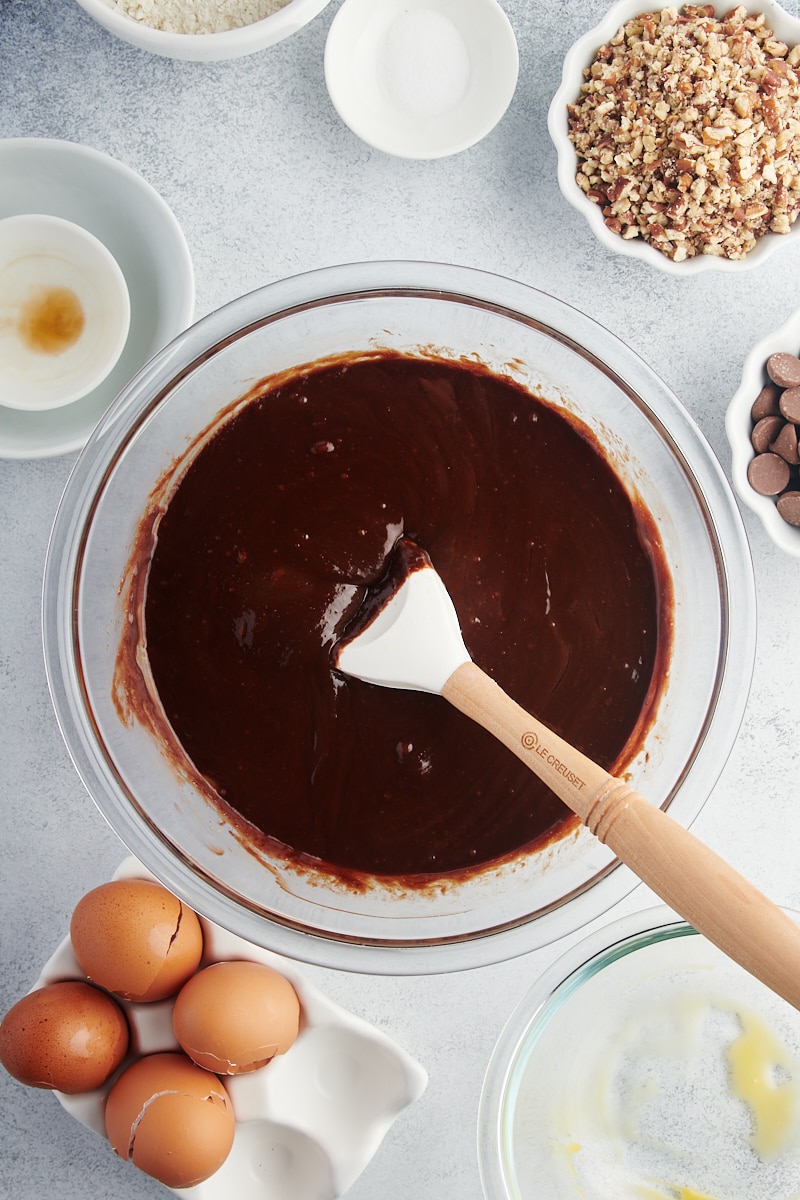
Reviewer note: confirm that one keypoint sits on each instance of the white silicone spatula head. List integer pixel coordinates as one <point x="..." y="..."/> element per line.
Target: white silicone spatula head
<point x="413" y="641"/>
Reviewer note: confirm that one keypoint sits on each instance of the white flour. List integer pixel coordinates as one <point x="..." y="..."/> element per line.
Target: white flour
<point x="196" y="16"/>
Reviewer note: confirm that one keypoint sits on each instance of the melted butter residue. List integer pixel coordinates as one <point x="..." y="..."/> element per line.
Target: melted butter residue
<point x="569" y="1151"/>
<point x="674" y="1193"/>
<point x="678" y="1193"/>
<point x="762" y="1076"/>
<point x="51" y="320"/>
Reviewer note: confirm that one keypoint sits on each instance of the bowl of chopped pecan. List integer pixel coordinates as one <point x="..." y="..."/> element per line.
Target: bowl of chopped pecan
<point x="678" y="133"/>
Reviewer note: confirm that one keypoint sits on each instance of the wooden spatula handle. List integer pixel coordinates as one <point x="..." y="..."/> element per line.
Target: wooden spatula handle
<point x="687" y="875"/>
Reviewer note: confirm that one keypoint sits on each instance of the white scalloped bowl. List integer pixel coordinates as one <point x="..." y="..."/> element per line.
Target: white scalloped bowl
<point x="738" y="426"/>
<point x="309" y="1121"/>
<point x="207" y="47"/>
<point x="580" y="55"/>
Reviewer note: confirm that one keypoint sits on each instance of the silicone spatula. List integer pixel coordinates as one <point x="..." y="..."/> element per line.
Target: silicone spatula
<point x="408" y="636"/>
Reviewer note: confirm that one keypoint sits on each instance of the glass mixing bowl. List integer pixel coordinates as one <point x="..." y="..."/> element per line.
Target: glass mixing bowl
<point x="644" y="1063"/>
<point x="556" y="352"/>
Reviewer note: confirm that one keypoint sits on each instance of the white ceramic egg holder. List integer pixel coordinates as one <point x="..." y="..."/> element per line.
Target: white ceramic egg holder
<point x="308" y="1122"/>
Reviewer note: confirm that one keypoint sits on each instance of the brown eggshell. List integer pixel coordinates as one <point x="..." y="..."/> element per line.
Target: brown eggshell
<point x="134" y="938"/>
<point x="67" y="1036"/>
<point x="172" y="1119"/>
<point x="233" y="1017"/>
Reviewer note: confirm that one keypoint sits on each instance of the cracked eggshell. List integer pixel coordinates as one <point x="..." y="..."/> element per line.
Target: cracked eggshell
<point x="134" y="938"/>
<point x="172" y="1119"/>
<point x="234" y="1017"/>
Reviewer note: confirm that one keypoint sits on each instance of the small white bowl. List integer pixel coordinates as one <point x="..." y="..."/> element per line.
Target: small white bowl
<point x="107" y="198"/>
<point x="581" y="55"/>
<point x="207" y="47"/>
<point x="421" y="78"/>
<point x="739" y="425"/>
<point x="64" y="312"/>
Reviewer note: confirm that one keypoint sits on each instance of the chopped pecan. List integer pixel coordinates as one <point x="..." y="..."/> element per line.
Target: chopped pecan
<point x="692" y="122"/>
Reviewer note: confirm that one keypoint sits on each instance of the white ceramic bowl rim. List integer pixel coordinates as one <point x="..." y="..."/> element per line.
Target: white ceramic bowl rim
<point x="133" y="410"/>
<point x="228" y="43"/>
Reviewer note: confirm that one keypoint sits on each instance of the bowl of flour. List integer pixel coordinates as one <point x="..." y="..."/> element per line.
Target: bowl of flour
<point x="203" y="30"/>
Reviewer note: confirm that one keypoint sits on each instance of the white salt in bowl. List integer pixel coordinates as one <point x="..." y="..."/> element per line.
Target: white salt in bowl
<point x="206" y="47"/>
<point x="421" y="78"/>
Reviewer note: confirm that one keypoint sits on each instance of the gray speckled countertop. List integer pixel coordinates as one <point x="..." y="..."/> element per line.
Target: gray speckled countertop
<point x="266" y="181"/>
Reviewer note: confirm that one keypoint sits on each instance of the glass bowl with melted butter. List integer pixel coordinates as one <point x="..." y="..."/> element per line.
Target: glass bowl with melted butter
<point x="64" y="312"/>
<point x="243" y="491"/>
<point x="644" y="1065"/>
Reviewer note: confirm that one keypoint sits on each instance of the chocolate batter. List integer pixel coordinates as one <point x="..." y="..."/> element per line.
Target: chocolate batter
<point x="289" y="515"/>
